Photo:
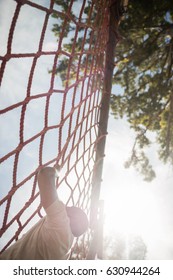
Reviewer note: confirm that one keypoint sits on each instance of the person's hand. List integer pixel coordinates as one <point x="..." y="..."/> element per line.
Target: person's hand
<point x="47" y="187"/>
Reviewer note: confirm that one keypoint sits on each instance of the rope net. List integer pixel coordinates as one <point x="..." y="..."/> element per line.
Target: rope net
<point x="52" y="66"/>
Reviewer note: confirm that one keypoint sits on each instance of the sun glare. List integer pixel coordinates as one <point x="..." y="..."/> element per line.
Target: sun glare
<point x="131" y="210"/>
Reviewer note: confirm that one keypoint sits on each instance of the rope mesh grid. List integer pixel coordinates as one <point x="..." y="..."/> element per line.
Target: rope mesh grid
<point x="50" y="105"/>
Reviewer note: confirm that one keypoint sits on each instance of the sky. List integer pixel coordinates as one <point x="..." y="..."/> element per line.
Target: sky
<point x="13" y="90"/>
<point x="132" y="206"/>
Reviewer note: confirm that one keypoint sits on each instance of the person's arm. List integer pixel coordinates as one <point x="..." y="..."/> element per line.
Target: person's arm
<point x="47" y="187"/>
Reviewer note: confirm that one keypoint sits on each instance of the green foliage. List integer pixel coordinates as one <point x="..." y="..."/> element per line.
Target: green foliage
<point x="79" y="34"/>
<point x="144" y="59"/>
<point x="142" y="165"/>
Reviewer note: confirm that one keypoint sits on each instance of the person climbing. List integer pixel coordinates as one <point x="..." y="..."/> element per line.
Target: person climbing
<point x="52" y="236"/>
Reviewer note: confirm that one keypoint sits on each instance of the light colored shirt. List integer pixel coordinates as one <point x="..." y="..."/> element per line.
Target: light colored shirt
<point x="49" y="239"/>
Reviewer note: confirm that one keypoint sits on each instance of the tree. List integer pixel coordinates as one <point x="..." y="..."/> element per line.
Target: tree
<point x="114" y="247"/>
<point x="120" y="247"/>
<point x="144" y="60"/>
<point x="137" y="248"/>
<point x="81" y="34"/>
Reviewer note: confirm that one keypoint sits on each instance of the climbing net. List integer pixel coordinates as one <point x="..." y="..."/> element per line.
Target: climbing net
<point x="52" y="66"/>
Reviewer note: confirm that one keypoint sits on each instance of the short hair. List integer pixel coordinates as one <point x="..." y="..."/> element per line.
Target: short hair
<point x="78" y="220"/>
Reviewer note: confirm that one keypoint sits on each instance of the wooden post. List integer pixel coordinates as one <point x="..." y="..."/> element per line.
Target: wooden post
<point x="113" y="38"/>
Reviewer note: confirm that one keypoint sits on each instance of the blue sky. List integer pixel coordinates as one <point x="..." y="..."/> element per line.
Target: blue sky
<point x="13" y="90"/>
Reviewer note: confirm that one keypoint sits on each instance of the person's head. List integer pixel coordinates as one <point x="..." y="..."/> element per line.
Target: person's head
<point x="78" y="220"/>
